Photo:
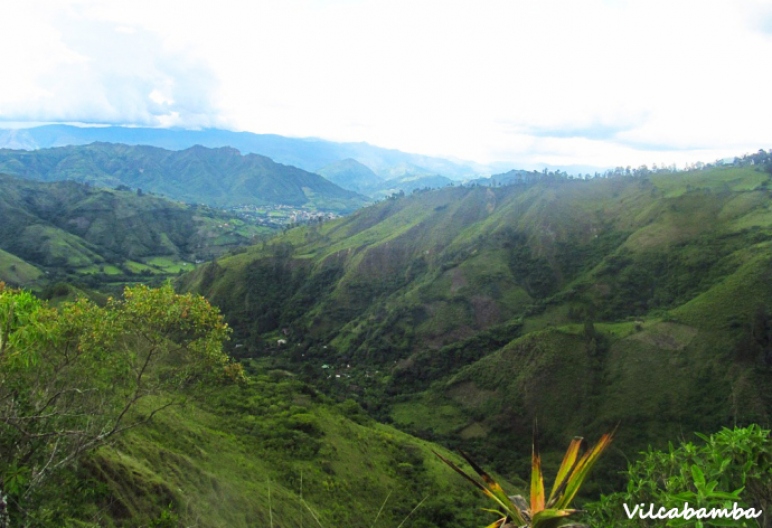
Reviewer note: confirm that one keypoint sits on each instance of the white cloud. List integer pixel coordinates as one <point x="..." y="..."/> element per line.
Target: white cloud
<point x="70" y="67"/>
<point x="596" y="81"/>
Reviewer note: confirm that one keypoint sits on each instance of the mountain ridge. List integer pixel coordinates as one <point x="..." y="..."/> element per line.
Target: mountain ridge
<point x="218" y="177"/>
<point x="310" y="154"/>
<point x="592" y="286"/>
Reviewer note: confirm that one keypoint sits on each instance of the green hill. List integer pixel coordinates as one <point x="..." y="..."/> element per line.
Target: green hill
<point x="16" y="271"/>
<point x="219" y="177"/>
<point x="464" y="313"/>
<point x="251" y="453"/>
<point x="129" y="415"/>
<point x="68" y="228"/>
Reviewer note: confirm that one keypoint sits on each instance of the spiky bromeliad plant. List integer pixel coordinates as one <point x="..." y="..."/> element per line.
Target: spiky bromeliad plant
<point x="551" y="512"/>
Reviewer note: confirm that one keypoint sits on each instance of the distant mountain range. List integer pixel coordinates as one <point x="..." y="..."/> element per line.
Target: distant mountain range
<point x="411" y="182"/>
<point x="352" y="175"/>
<point x="220" y="177"/>
<point x="309" y="154"/>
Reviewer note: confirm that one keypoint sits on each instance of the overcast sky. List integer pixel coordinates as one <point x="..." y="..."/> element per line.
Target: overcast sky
<point x="593" y="82"/>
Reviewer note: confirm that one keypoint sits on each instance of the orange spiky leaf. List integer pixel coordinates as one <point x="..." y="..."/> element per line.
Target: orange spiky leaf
<point x="582" y="469"/>
<point x="537" y="482"/>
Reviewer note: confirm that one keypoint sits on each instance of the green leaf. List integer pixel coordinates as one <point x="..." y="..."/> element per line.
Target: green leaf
<point x="698" y="476"/>
<point x="566" y="467"/>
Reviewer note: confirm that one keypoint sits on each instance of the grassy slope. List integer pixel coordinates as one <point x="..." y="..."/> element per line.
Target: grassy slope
<point x="72" y="228"/>
<point x="658" y="379"/>
<point x="238" y="460"/>
<point x="473" y="301"/>
<point x="16" y="271"/>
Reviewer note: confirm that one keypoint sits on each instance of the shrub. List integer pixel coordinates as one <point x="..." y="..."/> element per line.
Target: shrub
<point x="733" y="465"/>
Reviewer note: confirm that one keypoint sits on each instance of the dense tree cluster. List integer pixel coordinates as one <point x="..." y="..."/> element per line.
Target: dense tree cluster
<point x="73" y="378"/>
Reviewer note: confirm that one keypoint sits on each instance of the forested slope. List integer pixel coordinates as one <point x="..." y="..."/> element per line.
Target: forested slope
<point x="464" y="313"/>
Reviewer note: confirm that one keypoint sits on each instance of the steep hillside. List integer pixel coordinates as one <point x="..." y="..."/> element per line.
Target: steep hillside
<point x="68" y="228"/>
<point x="464" y="313"/>
<point x="274" y="451"/>
<point x="128" y="414"/>
<point x="217" y="177"/>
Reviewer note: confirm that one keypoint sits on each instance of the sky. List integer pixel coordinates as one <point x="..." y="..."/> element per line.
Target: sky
<point x="562" y="82"/>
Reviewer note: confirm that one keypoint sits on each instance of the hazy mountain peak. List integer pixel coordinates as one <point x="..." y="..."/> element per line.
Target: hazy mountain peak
<point x="351" y="174"/>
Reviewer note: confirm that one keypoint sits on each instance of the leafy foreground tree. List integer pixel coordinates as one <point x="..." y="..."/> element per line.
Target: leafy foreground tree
<point x="73" y="378"/>
<point x="733" y="466"/>
<point x="542" y="512"/>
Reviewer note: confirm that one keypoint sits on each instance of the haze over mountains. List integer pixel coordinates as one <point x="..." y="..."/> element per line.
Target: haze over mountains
<point x="309" y="154"/>
<point x="352" y="175"/>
